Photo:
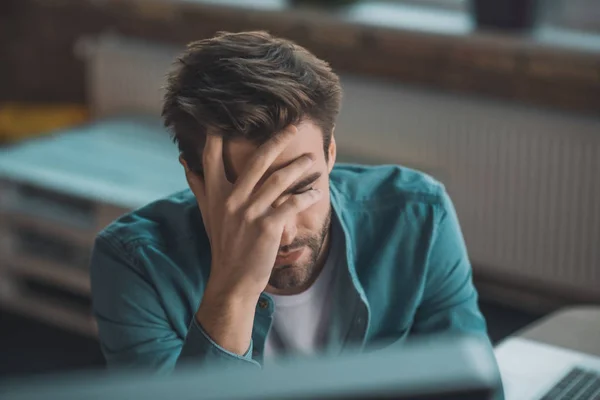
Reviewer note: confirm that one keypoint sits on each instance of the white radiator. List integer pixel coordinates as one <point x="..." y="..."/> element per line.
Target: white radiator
<point x="525" y="181"/>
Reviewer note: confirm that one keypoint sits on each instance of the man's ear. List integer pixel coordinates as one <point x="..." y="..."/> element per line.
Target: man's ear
<point x="194" y="180"/>
<point x="183" y="162"/>
<point x="188" y="172"/>
<point x="332" y="151"/>
<point x="190" y="167"/>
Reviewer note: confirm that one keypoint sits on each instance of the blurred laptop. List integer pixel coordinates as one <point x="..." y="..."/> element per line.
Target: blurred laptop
<point x="437" y="368"/>
<point x="537" y="371"/>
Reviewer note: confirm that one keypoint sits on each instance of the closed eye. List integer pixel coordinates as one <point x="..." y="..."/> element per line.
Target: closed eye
<point x="303" y="190"/>
<point x="303" y="185"/>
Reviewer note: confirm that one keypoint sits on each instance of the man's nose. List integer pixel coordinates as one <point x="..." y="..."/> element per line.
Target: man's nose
<point x="289" y="233"/>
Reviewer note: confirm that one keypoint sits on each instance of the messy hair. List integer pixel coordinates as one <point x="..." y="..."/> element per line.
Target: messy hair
<point x="247" y="85"/>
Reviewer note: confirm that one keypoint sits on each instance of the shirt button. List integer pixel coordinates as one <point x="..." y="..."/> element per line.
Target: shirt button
<point x="264" y="304"/>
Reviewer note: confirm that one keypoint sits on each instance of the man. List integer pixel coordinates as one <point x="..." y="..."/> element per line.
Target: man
<point x="274" y="251"/>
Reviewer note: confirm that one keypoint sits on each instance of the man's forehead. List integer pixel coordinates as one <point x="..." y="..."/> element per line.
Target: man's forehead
<point x="239" y="152"/>
<point x="237" y="156"/>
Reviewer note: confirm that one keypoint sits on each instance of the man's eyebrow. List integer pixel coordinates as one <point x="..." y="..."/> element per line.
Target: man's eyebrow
<point x="302" y="183"/>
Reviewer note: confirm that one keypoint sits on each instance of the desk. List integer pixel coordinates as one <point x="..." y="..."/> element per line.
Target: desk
<point x="575" y="328"/>
<point x="572" y="328"/>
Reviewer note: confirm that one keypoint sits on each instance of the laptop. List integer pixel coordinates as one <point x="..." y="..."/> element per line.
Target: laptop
<point x="533" y="370"/>
<point x="440" y="368"/>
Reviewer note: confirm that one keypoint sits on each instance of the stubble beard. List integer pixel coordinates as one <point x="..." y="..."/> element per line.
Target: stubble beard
<point x="293" y="276"/>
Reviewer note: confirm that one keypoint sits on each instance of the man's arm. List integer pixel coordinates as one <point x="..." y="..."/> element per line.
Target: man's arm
<point x="134" y="328"/>
<point x="244" y="227"/>
<point x="244" y="230"/>
<point x="449" y="302"/>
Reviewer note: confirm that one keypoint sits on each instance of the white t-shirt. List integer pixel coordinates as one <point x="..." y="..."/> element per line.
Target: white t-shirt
<point x="300" y="321"/>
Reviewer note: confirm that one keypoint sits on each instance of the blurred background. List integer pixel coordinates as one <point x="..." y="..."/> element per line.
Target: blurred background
<point x="498" y="99"/>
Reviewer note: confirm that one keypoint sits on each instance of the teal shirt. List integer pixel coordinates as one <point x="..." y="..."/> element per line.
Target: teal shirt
<point x="406" y="272"/>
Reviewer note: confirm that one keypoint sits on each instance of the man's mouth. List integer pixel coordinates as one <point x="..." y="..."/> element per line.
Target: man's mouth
<point x="289" y="257"/>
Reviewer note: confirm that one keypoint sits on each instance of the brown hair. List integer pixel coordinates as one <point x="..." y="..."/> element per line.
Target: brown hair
<point x="247" y="85"/>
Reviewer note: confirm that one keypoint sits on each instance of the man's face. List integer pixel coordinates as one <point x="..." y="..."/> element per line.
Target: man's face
<point x="305" y="237"/>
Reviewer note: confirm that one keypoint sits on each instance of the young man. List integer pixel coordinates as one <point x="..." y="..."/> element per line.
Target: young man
<point x="274" y="251"/>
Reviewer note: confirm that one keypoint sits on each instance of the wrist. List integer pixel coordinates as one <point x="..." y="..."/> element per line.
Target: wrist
<point x="227" y="318"/>
<point x="224" y="290"/>
<point x="225" y="298"/>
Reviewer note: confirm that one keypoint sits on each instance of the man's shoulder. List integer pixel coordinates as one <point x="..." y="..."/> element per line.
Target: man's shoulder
<point x="160" y="223"/>
<point x="162" y="244"/>
<point x="380" y="186"/>
<point x="150" y="265"/>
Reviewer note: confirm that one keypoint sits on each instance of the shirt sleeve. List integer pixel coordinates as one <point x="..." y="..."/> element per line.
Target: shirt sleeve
<point x="449" y="302"/>
<point x="133" y="326"/>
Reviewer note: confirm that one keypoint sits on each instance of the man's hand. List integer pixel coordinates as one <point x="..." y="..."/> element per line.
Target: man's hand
<point x="245" y="232"/>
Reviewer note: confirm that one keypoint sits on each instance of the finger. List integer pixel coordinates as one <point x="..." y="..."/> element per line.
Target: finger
<point x="279" y="181"/>
<point x="260" y="162"/>
<point x="295" y="204"/>
<point x="212" y="159"/>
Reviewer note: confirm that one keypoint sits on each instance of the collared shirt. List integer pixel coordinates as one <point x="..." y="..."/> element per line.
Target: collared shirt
<point x="406" y="272"/>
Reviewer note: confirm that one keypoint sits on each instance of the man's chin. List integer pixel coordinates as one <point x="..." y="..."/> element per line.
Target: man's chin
<point x="293" y="277"/>
<point x="288" y="277"/>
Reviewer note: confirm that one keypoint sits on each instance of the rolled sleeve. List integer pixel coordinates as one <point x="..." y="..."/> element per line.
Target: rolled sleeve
<point x="199" y="345"/>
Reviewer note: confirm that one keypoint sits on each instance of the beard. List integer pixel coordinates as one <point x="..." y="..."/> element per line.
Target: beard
<point x="300" y="274"/>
